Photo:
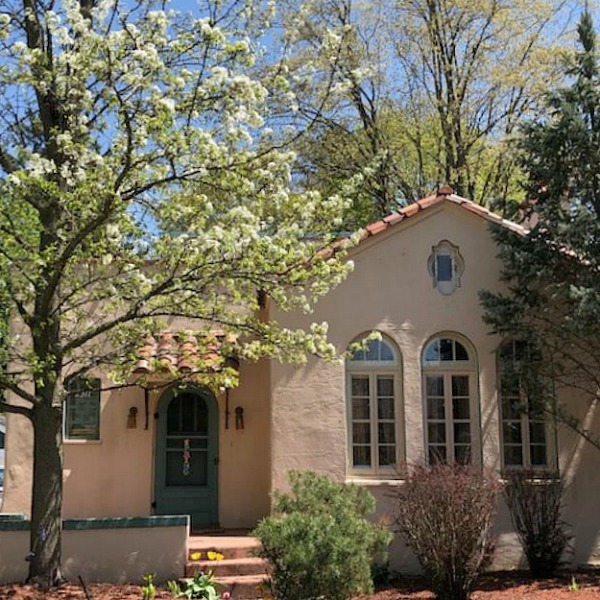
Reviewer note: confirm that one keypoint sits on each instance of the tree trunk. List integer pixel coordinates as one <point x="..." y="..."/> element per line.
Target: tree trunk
<point x="46" y="522"/>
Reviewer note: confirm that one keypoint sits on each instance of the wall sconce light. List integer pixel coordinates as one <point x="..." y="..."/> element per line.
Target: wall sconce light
<point x="239" y="417"/>
<point x="132" y="418"/>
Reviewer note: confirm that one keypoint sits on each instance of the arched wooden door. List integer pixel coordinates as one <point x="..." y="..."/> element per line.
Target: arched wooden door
<point x="185" y="480"/>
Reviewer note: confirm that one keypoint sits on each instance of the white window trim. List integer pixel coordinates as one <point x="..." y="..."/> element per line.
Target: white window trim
<point x="372" y="369"/>
<point x="448" y="412"/>
<point x="549" y="427"/>
<point x="447" y="369"/>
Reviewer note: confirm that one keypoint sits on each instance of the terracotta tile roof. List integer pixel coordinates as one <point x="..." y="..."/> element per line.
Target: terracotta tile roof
<point x="182" y="352"/>
<point x="444" y="194"/>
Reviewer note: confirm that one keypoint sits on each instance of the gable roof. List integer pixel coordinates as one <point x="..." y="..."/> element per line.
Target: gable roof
<point x="444" y="194"/>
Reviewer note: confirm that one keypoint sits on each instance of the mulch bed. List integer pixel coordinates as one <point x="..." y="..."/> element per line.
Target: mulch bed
<point x="497" y="586"/>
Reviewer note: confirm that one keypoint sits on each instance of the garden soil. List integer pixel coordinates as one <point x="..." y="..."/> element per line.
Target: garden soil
<point x="500" y="586"/>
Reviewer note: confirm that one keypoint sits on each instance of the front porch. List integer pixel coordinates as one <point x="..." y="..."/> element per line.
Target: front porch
<point x="122" y="550"/>
<point x="239" y="572"/>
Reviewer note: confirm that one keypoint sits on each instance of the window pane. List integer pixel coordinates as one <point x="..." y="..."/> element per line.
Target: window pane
<point x="511" y="385"/>
<point x="536" y="408"/>
<point x="360" y="386"/>
<point x="436" y="433"/>
<point x="461" y="352"/>
<point x="361" y="456"/>
<point x="507" y="352"/>
<point x="358" y="355"/>
<point x="538" y="456"/>
<point x="437" y="454"/>
<point x="83" y="410"/>
<point x="443" y="269"/>
<point x="373" y="350"/>
<point x="537" y="433"/>
<point x="385" y="408"/>
<point x="511" y="431"/>
<point x="385" y="386"/>
<point x="446" y="352"/>
<point x="462" y="454"/>
<point x="432" y="354"/>
<point x="361" y="433"/>
<point x="187" y="414"/>
<point x="387" y="456"/>
<point x="435" y="385"/>
<point x="386" y="433"/>
<point x="460" y="385"/>
<point x="460" y="408"/>
<point x="513" y="455"/>
<point x="386" y="352"/>
<point x="360" y="408"/>
<point x="512" y="408"/>
<point x="462" y="433"/>
<point x="435" y="408"/>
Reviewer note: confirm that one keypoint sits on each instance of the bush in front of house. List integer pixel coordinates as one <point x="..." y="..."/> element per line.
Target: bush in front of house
<point x="445" y="515"/>
<point x="535" y="504"/>
<point x="318" y="541"/>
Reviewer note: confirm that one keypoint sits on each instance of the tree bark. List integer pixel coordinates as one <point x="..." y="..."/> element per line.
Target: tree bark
<point x="46" y="520"/>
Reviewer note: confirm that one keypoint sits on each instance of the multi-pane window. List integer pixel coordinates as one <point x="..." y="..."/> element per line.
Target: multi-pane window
<point x="82" y="409"/>
<point x="525" y="439"/>
<point x="449" y="389"/>
<point x="372" y="409"/>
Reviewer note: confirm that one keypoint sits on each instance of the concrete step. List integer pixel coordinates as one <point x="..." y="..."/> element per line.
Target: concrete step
<point x="227" y="568"/>
<point x="245" y="587"/>
<point x="229" y="546"/>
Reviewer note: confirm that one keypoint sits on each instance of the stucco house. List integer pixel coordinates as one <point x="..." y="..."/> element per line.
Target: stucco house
<point x="428" y="390"/>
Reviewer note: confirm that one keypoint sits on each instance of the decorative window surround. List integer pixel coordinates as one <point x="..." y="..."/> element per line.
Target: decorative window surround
<point x="375" y="438"/>
<point x="446" y="266"/>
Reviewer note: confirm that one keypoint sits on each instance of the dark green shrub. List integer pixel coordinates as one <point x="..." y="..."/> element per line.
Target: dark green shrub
<point x="445" y="514"/>
<point x="318" y="541"/>
<point x="535" y="505"/>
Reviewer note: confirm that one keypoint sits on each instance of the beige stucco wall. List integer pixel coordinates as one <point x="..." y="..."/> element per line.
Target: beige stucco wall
<point x="391" y="291"/>
<point x="114" y="476"/>
<point x="112" y="555"/>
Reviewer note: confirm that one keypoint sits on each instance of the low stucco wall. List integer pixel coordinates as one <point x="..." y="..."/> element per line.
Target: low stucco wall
<point x="109" y="550"/>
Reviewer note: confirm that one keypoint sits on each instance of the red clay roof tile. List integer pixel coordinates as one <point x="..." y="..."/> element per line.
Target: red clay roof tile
<point x="182" y="353"/>
<point x="445" y="194"/>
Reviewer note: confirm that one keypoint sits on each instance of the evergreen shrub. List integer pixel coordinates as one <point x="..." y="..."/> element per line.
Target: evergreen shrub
<point x="318" y="541"/>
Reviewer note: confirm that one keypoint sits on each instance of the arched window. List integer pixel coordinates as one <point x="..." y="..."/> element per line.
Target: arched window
<point x="373" y="402"/>
<point x="526" y="432"/>
<point x="449" y="386"/>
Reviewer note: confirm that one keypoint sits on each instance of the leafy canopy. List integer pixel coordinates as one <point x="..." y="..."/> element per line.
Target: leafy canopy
<point x="553" y="297"/>
<point x="139" y="185"/>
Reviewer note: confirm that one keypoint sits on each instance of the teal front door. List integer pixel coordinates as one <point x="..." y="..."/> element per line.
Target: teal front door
<point x="185" y="481"/>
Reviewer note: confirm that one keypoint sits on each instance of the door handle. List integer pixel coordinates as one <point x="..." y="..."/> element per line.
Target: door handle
<point x="216" y="460"/>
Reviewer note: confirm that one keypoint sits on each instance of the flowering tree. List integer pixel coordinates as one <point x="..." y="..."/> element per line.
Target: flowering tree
<point x="139" y="182"/>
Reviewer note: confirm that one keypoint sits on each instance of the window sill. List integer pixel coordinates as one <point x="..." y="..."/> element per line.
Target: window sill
<point x="68" y="442"/>
<point x="374" y="481"/>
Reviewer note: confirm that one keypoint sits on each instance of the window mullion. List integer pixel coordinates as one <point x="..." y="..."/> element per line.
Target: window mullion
<point x="525" y="431"/>
<point x="448" y="413"/>
<point x="373" y="419"/>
